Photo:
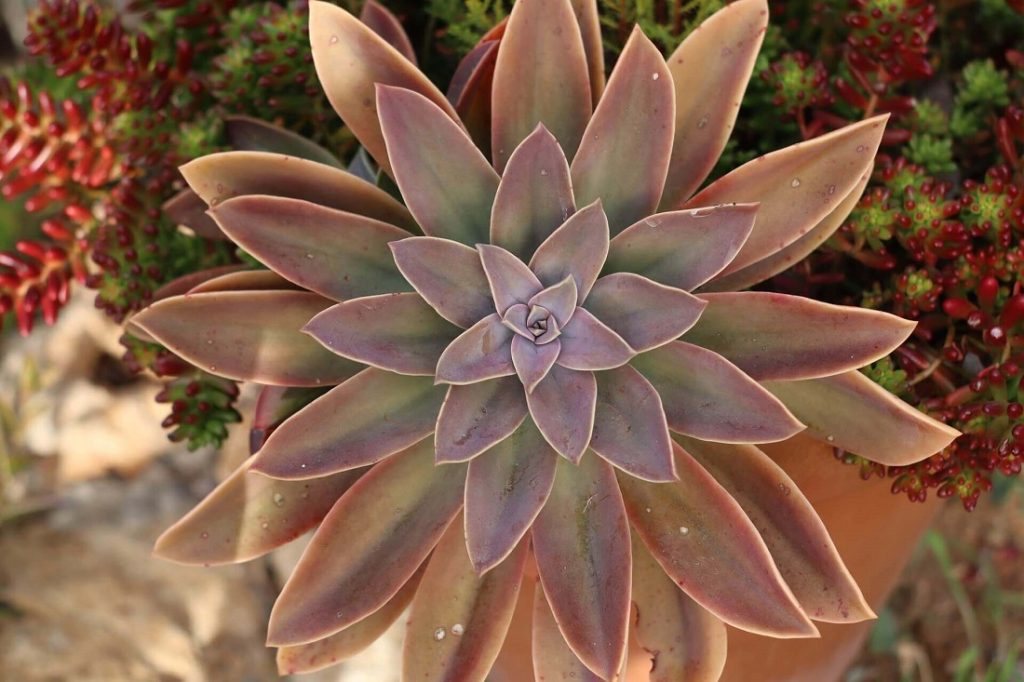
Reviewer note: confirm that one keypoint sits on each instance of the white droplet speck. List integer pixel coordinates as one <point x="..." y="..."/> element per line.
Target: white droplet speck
<point x="683" y="530"/>
<point x="302" y="466"/>
<point x="648" y="510"/>
<point x="830" y="439"/>
<point x="655" y="76"/>
<point x="795" y="182"/>
<point x="439" y="634"/>
<point x="543" y="171"/>
<point x="831" y="189"/>
<point x="213" y="368"/>
<point x="209" y="342"/>
<point x="457" y="629"/>
<point x="334" y="39"/>
<point x="204" y="535"/>
<point x="861" y="148"/>
<point x="310" y="256"/>
<point x="264" y="525"/>
<point x="279" y="499"/>
<point x="703" y="122"/>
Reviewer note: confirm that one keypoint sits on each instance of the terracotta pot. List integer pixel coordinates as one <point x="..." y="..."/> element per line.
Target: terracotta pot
<point x="875" y="532"/>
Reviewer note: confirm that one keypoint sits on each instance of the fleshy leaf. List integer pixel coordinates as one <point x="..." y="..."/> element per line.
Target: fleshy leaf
<point x="273" y="406"/>
<point x="368" y="546"/>
<point x="323" y="653"/>
<point x="644" y="313"/>
<point x="797" y="186"/>
<point x="786" y="521"/>
<point x="562" y="407"/>
<point x="459" y="620"/>
<point x="851" y="412"/>
<point x="581" y="543"/>
<point x="446" y="182"/>
<point x="248" y="134"/>
<point x="481" y="352"/>
<point x="188" y="208"/>
<point x="707" y="545"/>
<point x="794" y="253"/>
<point x="588" y="344"/>
<point x="578" y="248"/>
<point x="541" y="77"/>
<point x="782" y="337"/>
<point x="470" y="92"/>
<point x="245" y="280"/>
<point x="188" y="282"/>
<point x="351" y="60"/>
<point x="476" y="417"/>
<point x="558" y="299"/>
<point x="534" y="196"/>
<point x="683" y="249"/>
<point x="256" y="336"/>
<point x="685" y="641"/>
<point x="248" y="515"/>
<point x="505" y="490"/>
<point x="385" y="24"/>
<point x="708" y="397"/>
<point x="710" y="70"/>
<point x="552" y="657"/>
<point x="339" y="255"/>
<point x="369" y="417"/>
<point x="533" y="361"/>
<point x="630" y="430"/>
<point x="510" y="280"/>
<point x="219" y="177"/>
<point x="590" y="29"/>
<point x="396" y="332"/>
<point x="448" y="275"/>
<point x="624" y="155"/>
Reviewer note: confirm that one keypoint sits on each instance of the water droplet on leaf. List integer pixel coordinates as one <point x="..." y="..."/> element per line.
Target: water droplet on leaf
<point x="795" y="183"/>
<point x="279" y="499"/>
<point x="439" y="634"/>
<point x="457" y="629"/>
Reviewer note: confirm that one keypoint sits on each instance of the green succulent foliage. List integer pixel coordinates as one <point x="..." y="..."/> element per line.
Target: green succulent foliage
<point x="667" y="24"/>
<point x="984" y="91"/>
<point x="886" y="374"/>
<point x="933" y="153"/>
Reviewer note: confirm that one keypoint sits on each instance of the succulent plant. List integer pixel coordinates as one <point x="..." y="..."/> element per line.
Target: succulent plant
<point x="543" y="354"/>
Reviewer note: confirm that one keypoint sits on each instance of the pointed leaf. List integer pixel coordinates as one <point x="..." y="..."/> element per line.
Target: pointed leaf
<point x="644" y="313"/>
<point x="533" y="361"/>
<point x="188" y="208"/>
<point x="248" y="336"/>
<point x="188" y="282"/>
<point x="396" y="332"/>
<point x="339" y="255"/>
<point x="351" y="60"/>
<point x="581" y="542"/>
<point x="588" y="344"/>
<point x="470" y="92"/>
<point x="446" y="182"/>
<point x="476" y="417"/>
<point x="510" y="280"/>
<point x="797" y="186"/>
<point x="552" y="657"/>
<point x="369" y="417"/>
<point x="370" y="544"/>
<point x="707" y="545"/>
<point x="248" y="134"/>
<point x="710" y="70"/>
<point x="534" y="196"/>
<point x="590" y="29"/>
<point x="795" y="535"/>
<point x="776" y="336"/>
<point x="459" y="620"/>
<point x="708" y="397"/>
<point x="623" y="157"/>
<point x="385" y="24"/>
<point x="795" y="252"/>
<point x="481" y="352"/>
<point x="562" y="407"/>
<point x="630" y="430"/>
<point x="219" y="177"/>
<point x="246" y="280"/>
<point x="851" y="412"/>
<point x="558" y="299"/>
<point x="505" y="490"/>
<point x="683" y="249"/>
<point x="685" y="641"/>
<point x="248" y="515"/>
<point x="448" y="275"/>
<point x="274" y="405"/>
<point x="578" y="248"/>
<point x="541" y="77"/>
<point x="323" y="653"/>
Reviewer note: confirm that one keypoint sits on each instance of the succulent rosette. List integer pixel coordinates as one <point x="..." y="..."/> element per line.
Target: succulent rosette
<point x="540" y="354"/>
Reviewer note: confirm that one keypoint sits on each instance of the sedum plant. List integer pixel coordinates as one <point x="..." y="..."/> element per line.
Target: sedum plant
<point x="542" y="353"/>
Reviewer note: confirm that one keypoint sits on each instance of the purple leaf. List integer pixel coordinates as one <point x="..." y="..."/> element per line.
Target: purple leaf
<point x="644" y="313"/>
<point x="245" y="280"/>
<point x="396" y="332"/>
<point x="533" y="361"/>
<point x="558" y="299"/>
<point x="470" y="92"/>
<point x="476" y="417"/>
<point x="385" y="24"/>
<point x="581" y="543"/>
<point x="448" y="275"/>
<point x="481" y="352"/>
<point x="578" y="248"/>
<point x="562" y="407"/>
<point x="505" y="490"/>
<point x="510" y="280"/>
<point x="588" y="344"/>
<point x="552" y="657"/>
<point x="369" y="417"/>
<point x="446" y="182"/>
<point x="188" y="208"/>
<point x="249" y="134"/>
<point x="630" y="430"/>
<point x="708" y="397"/>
